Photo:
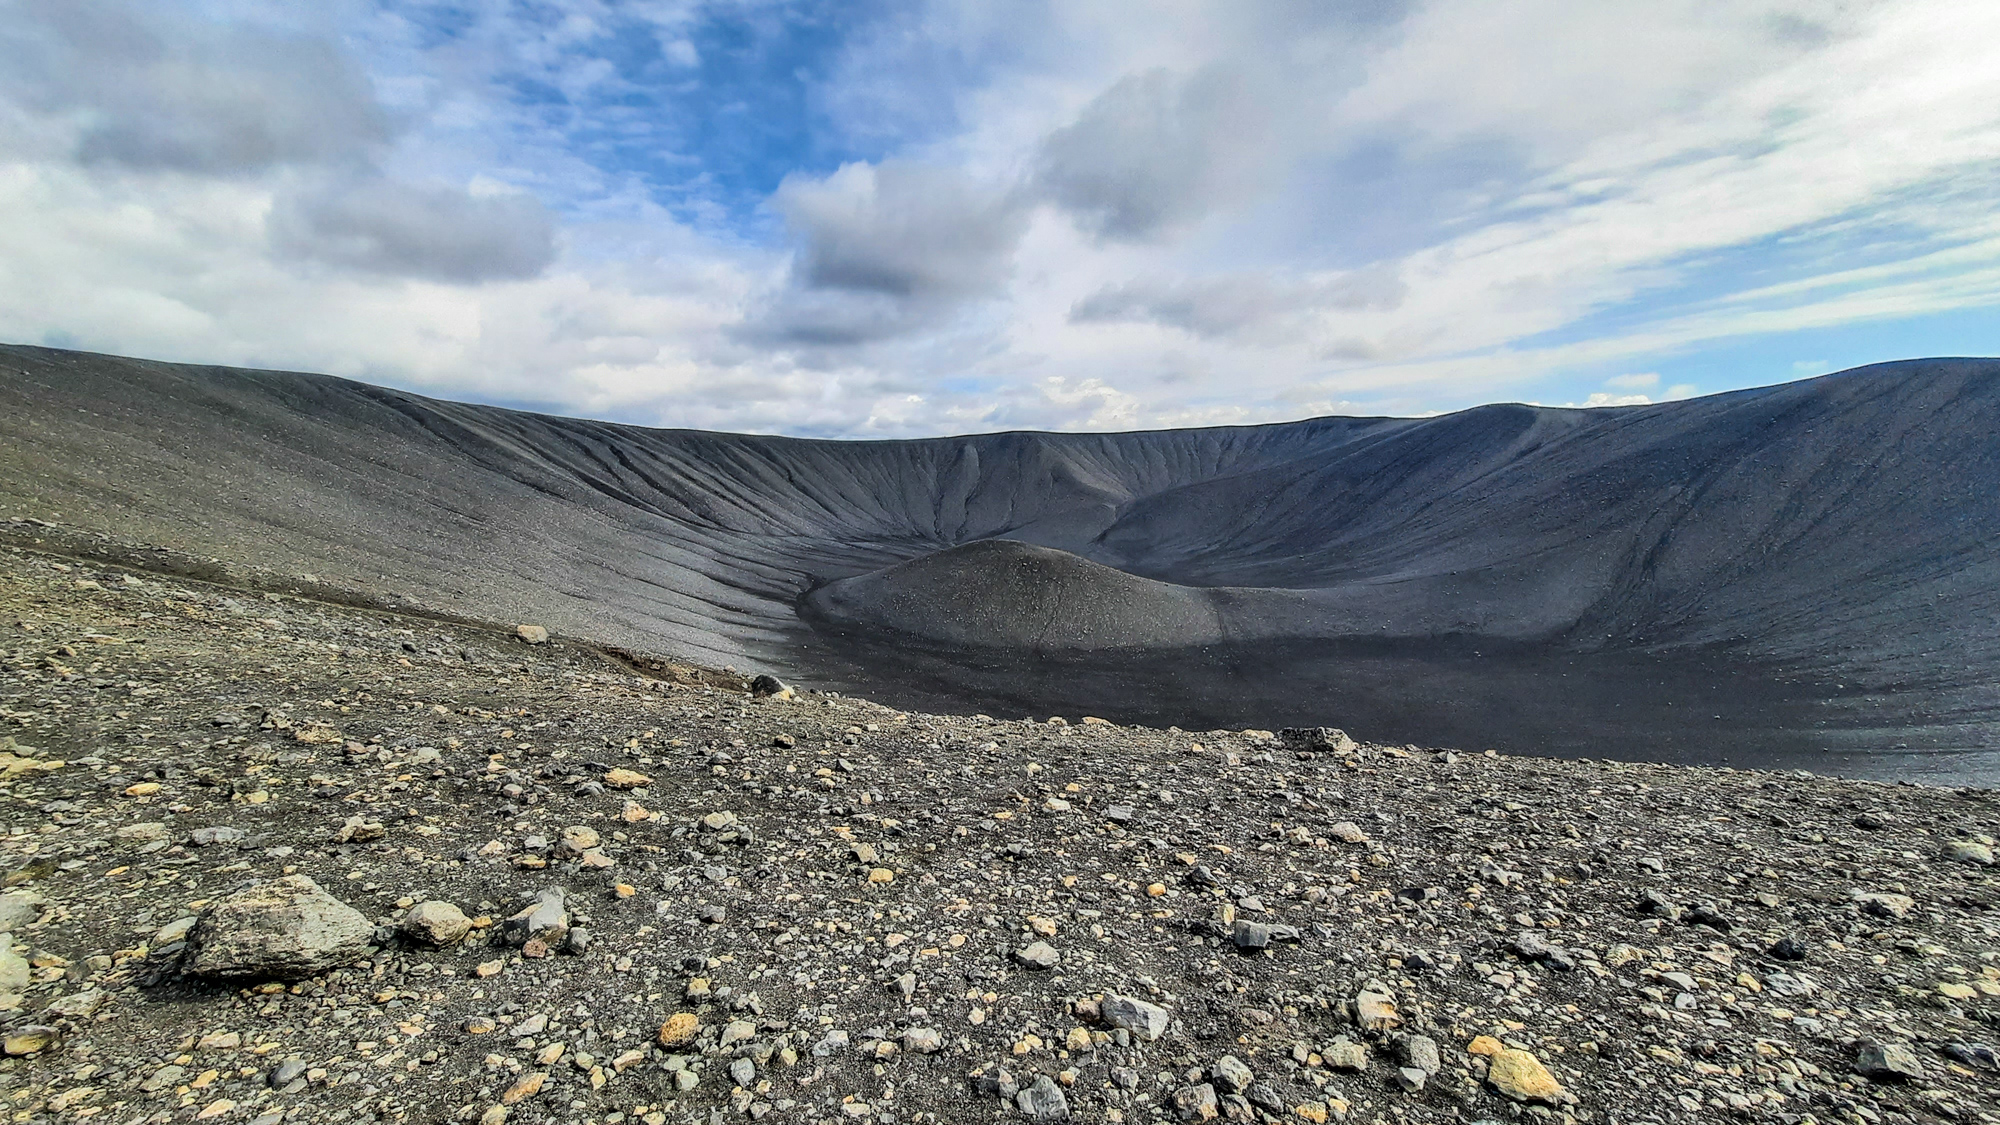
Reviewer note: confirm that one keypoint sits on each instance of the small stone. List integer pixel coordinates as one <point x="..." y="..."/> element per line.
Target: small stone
<point x="1882" y="904"/>
<point x="78" y="1005"/>
<point x="1196" y="1103"/>
<point x="489" y="968"/>
<point x="720" y="822"/>
<point x="359" y="830"/>
<point x="19" y="908"/>
<point x="770" y="687"/>
<point x="738" y="1031"/>
<point x="1251" y="935"/>
<point x="435" y="922"/>
<point x="679" y="1030"/>
<point x="1043" y="1101"/>
<point x="1231" y="1074"/>
<point x="1972" y="1054"/>
<point x="1968" y="851"/>
<point x="1318" y="740"/>
<point x="1887" y="1061"/>
<point x="578" y="839"/>
<point x="1128" y="1013"/>
<point x="209" y="837"/>
<point x="1520" y="1076"/>
<point x="1410" y="1079"/>
<point x="533" y="634"/>
<point x="494" y="1115"/>
<point x="1040" y="955"/>
<point x="923" y="1040"/>
<point x="1653" y="904"/>
<point x="1788" y="948"/>
<point x="32" y="1040"/>
<point x="881" y="875"/>
<point x="1375" y="1009"/>
<point x="1420" y="1051"/>
<point x="1348" y="832"/>
<point x="1265" y="1098"/>
<point x="1345" y="1054"/>
<point x="529" y="1085"/>
<point x="545" y="919"/>
<point x="622" y="778"/>
<point x="743" y="1072"/>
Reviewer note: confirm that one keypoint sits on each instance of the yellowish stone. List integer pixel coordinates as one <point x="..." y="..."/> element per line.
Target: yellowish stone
<point x="679" y="1030"/>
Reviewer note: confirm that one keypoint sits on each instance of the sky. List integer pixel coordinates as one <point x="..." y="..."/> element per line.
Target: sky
<point x="891" y="218"/>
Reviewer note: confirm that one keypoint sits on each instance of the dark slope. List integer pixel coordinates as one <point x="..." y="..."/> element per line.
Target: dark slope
<point x="1843" y="527"/>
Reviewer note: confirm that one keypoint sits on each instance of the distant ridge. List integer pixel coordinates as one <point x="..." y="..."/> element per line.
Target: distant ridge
<point x="1845" y="524"/>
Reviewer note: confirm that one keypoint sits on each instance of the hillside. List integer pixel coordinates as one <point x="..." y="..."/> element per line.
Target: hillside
<point x="276" y="860"/>
<point x="1834" y="533"/>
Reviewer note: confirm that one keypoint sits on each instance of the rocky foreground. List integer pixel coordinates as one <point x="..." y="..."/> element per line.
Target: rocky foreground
<point x="270" y="859"/>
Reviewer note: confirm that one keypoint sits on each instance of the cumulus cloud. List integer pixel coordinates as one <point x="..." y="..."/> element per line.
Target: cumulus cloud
<point x="432" y="232"/>
<point x="884" y="249"/>
<point x="1153" y="153"/>
<point x="149" y="89"/>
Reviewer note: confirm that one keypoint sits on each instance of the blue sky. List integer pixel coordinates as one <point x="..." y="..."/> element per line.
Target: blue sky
<point x="905" y="217"/>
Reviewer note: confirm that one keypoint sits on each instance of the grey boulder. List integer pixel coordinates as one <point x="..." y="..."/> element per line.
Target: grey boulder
<point x="284" y="929"/>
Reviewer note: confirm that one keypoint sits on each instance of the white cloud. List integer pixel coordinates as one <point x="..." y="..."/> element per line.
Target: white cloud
<point x="1207" y="212"/>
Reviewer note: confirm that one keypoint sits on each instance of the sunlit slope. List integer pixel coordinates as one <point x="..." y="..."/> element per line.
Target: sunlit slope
<point x="1847" y="521"/>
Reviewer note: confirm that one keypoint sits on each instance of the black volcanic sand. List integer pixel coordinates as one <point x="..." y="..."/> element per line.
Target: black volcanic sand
<point x="1816" y="559"/>
<point x="1675" y="709"/>
<point x="817" y="908"/>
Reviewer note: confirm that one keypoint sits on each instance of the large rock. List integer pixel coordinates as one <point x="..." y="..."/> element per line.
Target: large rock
<point x="281" y="930"/>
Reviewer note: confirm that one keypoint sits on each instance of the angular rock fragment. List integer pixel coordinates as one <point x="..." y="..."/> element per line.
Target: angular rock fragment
<point x="1148" y="1021"/>
<point x="1231" y="1075"/>
<point x="1375" y="1009"/>
<point x="284" y="929"/>
<point x="1043" y="1100"/>
<point x="435" y="922"/>
<point x="1038" y="955"/>
<point x="1880" y="1060"/>
<point x="1196" y="1103"/>
<point x="544" y="919"/>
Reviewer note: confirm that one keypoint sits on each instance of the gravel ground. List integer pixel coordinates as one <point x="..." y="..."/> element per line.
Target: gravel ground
<point x="273" y="859"/>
